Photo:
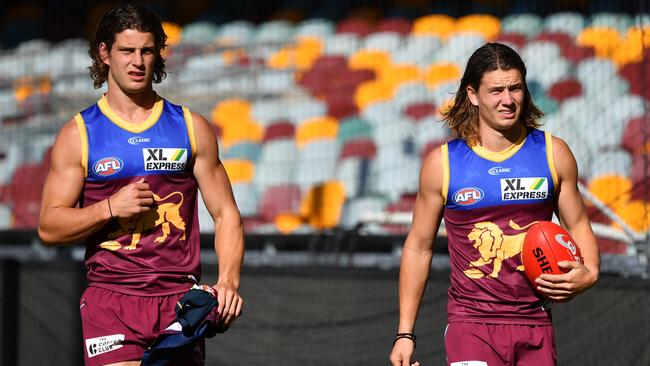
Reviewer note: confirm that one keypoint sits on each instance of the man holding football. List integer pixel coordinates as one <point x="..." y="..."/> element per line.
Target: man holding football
<point x="490" y="184"/>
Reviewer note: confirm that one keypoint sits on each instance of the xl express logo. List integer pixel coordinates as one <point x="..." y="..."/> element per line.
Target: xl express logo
<point x="468" y="196"/>
<point x="516" y="189"/>
<point x="108" y="166"/>
<point x="164" y="159"/>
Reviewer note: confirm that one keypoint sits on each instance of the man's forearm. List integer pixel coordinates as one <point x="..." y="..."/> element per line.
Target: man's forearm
<point x="66" y="225"/>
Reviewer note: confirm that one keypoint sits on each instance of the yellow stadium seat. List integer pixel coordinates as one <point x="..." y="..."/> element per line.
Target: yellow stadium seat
<point x="300" y="55"/>
<point x="396" y="75"/>
<point x="632" y="47"/>
<point x="244" y="130"/>
<point x="440" y="73"/>
<point x="315" y="129"/>
<point x="487" y="25"/>
<point x="323" y="204"/>
<point x="239" y="171"/>
<point x="612" y="190"/>
<point x="281" y="59"/>
<point x="320" y="207"/>
<point x="23" y="88"/>
<point x="365" y="59"/>
<point x="286" y="223"/>
<point x="436" y="24"/>
<point x="604" y="40"/>
<point x="173" y="32"/>
<point x="230" y="57"/>
<point x="44" y="85"/>
<point x="372" y="91"/>
<point x="309" y="49"/>
<point x="231" y="111"/>
<point x="636" y="214"/>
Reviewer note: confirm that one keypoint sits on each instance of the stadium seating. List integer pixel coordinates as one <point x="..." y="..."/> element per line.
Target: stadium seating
<point x="316" y="112"/>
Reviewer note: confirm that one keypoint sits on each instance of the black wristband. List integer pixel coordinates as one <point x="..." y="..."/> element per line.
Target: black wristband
<point x="410" y="336"/>
<point x="109" y="206"/>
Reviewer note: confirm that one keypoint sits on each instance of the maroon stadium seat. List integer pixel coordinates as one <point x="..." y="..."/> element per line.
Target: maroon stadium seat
<point x="358" y="26"/>
<point x="279" y="199"/>
<point x="637" y="77"/>
<point x="633" y="136"/>
<point x="565" y="89"/>
<point x="576" y="53"/>
<point x="341" y="104"/>
<point x="279" y="129"/>
<point x="397" y="25"/>
<point x="420" y="110"/>
<point x="560" y="38"/>
<point x="359" y="148"/>
<point x="517" y="39"/>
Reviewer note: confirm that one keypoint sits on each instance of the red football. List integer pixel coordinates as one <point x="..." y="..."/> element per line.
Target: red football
<point x="545" y="244"/>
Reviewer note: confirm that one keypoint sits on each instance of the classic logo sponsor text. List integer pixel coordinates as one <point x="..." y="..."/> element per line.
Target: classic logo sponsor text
<point x="498" y="170"/>
<point x="136" y="140"/>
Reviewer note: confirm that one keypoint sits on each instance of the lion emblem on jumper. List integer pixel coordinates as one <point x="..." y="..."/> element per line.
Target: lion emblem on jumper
<point x="163" y="215"/>
<point x="494" y="247"/>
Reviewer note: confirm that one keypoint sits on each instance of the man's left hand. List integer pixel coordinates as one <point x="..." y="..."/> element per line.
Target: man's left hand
<point x="230" y="303"/>
<point x="564" y="287"/>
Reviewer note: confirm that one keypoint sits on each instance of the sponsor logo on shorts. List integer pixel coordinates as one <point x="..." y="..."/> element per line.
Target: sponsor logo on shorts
<point x="469" y="363"/>
<point x="468" y="196"/>
<point x="498" y="170"/>
<point x="137" y="140"/>
<point x="517" y="189"/>
<point x="99" y="345"/>
<point x="164" y="158"/>
<point x="108" y="166"/>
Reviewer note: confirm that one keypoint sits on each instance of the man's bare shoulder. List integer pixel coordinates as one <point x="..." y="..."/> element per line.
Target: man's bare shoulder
<point x="69" y="131"/>
<point x="434" y="158"/>
<point x="67" y="146"/>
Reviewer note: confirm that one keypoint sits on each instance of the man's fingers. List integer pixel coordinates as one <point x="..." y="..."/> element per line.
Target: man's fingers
<point x="221" y="302"/>
<point x="238" y="308"/>
<point x="232" y="309"/>
<point x="552" y="278"/>
<point x="568" y="264"/>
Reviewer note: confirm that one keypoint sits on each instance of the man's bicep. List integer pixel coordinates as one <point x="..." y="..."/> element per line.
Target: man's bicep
<point x="429" y="203"/>
<point x="209" y="171"/>
<point x="65" y="178"/>
<point x="569" y="201"/>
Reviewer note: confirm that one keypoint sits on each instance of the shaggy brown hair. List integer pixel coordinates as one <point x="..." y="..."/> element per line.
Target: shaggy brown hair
<point x="462" y="117"/>
<point x="117" y="19"/>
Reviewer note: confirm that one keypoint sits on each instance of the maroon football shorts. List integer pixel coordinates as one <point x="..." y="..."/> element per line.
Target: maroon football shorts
<point x="479" y="344"/>
<point x="119" y="327"/>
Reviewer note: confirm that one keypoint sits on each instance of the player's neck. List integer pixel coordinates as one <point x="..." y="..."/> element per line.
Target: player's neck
<point x="499" y="140"/>
<point x="134" y="107"/>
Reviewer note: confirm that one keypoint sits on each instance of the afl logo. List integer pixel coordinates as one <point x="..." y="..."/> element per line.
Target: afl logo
<point x="108" y="166"/>
<point x="468" y="196"/>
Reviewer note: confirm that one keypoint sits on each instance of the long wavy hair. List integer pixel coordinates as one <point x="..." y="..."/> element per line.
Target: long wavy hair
<point x="117" y="19"/>
<point x="463" y="117"/>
